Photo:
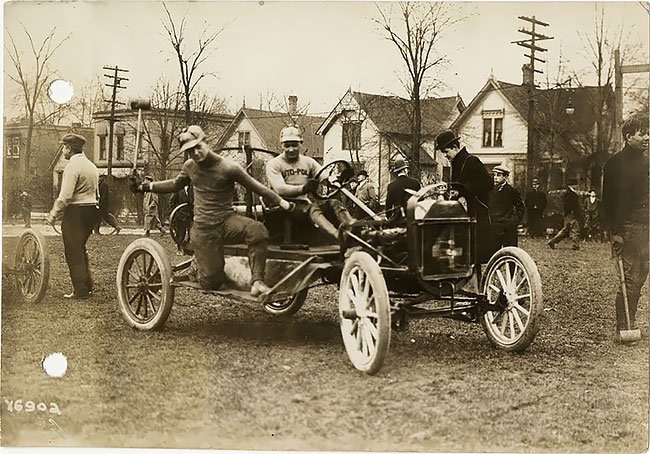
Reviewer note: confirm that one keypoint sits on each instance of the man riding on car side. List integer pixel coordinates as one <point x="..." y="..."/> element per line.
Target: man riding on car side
<point x="292" y="174"/>
<point x="216" y="224"/>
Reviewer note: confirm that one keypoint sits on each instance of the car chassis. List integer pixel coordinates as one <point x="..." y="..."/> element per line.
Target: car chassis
<point x="388" y="272"/>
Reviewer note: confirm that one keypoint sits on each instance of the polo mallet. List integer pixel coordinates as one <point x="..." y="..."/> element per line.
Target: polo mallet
<point x="140" y="104"/>
<point x="629" y="334"/>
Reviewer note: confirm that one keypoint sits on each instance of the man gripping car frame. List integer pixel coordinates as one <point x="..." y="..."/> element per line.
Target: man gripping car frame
<point x="215" y="222"/>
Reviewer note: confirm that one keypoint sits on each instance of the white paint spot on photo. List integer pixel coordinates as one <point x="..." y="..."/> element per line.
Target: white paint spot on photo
<point x="55" y="364"/>
<point x="60" y="91"/>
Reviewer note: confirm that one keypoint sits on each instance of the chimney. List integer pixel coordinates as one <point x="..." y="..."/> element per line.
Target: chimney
<point x="293" y="105"/>
<point x="527" y="73"/>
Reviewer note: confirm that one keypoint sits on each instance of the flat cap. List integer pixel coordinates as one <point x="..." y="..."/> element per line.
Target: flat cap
<point x="501" y="169"/>
<point x="190" y="137"/>
<point x="74" y="140"/>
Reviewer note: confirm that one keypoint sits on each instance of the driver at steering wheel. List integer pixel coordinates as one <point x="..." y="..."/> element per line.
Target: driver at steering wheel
<point x="292" y="175"/>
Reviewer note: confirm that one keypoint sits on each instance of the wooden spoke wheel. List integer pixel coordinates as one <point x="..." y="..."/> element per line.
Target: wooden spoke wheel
<point x="144" y="290"/>
<point x="513" y="285"/>
<point x="32" y="266"/>
<point x="364" y="311"/>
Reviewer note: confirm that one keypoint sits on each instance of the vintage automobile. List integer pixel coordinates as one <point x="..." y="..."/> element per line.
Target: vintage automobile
<point x="387" y="272"/>
<point x="31" y="266"/>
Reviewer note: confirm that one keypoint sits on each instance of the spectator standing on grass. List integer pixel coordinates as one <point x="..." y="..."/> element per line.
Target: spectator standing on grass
<point x="506" y="209"/>
<point x="396" y="195"/>
<point x="78" y="204"/>
<point x="215" y="222"/>
<point x="469" y="171"/>
<point x="104" y="203"/>
<point x="571" y="211"/>
<point x="592" y="217"/>
<point x="150" y="206"/>
<point x="367" y="193"/>
<point x="26" y="208"/>
<point x="625" y="212"/>
<point x="535" y="206"/>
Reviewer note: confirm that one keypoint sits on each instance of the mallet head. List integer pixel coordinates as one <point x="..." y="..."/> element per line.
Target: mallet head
<point x="142" y="104"/>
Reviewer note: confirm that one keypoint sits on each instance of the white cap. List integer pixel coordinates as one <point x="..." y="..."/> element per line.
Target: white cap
<point x="290" y="134"/>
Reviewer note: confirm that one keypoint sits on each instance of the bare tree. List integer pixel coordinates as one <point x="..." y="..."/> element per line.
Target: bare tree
<point x="189" y="59"/>
<point x="416" y="33"/>
<point x="32" y="84"/>
<point x="599" y="46"/>
<point x="90" y="99"/>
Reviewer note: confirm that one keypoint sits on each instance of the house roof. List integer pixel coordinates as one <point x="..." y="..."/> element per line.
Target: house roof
<point x="391" y="114"/>
<point x="549" y="109"/>
<point x="268" y="125"/>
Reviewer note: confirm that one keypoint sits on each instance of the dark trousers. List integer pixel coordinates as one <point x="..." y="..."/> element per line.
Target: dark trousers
<point x="571" y="230"/>
<point x="505" y="235"/>
<point x="76" y="227"/>
<point x="27" y="217"/>
<point x="535" y="223"/>
<point x="635" y="266"/>
<point x="208" y="242"/>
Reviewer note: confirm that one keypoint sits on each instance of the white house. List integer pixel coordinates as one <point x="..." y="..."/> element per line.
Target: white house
<point x="372" y="130"/>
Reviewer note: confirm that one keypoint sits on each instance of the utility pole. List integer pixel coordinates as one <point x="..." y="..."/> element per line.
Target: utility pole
<point x="111" y="122"/>
<point x="530" y="44"/>
<point x="619" y="70"/>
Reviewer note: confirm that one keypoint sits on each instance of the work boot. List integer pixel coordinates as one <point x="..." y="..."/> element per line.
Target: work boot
<point x="259" y="288"/>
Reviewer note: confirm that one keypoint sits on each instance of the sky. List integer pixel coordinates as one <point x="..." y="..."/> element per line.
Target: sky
<point x="315" y="50"/>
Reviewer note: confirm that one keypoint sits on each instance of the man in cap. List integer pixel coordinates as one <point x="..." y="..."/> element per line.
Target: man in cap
<point x="77" y="204"/>
<point x="506" y="209"/>
<point x="292" y="174"/>
<point x="571" y="210"/>
<point x="150" y="205"/>
<point x="535" y="206"/>
<point x="469" y="171"/>
<point x="625" y="214"/>
<point x="365" y="192"/>
<point x="215" y="223"/>
<point x="396" y="195"/>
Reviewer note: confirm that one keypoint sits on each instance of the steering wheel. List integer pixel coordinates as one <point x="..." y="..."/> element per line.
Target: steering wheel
<point x="431" y="191"/>
<point x="332" y="177"/>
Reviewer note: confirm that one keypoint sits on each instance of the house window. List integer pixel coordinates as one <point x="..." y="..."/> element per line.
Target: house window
<point x="243" y="139"/>
<point x="351" y="139"/>
<point x="120" y="148"/>
<point x="492" y="128"/>
<point x="13" y="147"/>
<point x="102" y="148"/>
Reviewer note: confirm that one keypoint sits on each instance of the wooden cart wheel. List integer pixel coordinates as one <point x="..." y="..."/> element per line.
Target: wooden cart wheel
<point x="512" y="282"/>
<point x="180" y="222"/>
<point x="144" y="290"/>
<point x="32" y="265"/>
<point x="364" y="311"/>
<point x="289" y="306"/>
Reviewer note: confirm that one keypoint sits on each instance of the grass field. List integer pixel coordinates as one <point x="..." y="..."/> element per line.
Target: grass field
<point x="228" y="375"/>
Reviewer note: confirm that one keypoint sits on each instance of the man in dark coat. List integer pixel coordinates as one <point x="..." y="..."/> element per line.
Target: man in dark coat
<point x="469" y="171"/>
<point x="104" y="204"/>
<point x="506" y="209"/>
<point x="535" y="206"/>
<point x="396" y="196"/>
<point x="571" y="210"/>
<point x="625" y="213"/>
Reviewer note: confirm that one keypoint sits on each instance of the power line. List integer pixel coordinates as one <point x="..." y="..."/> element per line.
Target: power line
<point x="116" y="80"/>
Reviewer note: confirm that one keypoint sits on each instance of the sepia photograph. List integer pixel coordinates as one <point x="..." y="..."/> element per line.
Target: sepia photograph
<point x="325" y="226"/>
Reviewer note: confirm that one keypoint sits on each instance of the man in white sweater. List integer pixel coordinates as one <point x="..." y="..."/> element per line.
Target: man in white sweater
<point x="78" y="205"/>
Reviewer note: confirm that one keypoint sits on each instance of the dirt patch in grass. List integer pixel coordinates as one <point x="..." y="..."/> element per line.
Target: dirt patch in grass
<point x="228" y="375"/>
